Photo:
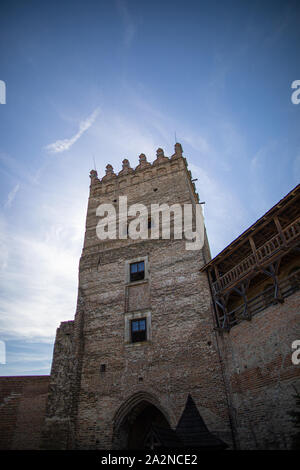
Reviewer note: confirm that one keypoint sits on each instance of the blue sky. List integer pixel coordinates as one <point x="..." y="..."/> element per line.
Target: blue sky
<point x="110" y="80"/>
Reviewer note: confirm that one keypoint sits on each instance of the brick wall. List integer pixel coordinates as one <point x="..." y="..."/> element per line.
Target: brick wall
<point x="261" y="376"/>
<point x="22" y="409"/>
<point x="57" y="428"/>
<point x="179" y="357"/>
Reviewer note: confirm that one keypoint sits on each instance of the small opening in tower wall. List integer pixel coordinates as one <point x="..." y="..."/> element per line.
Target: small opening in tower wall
<point x="103" y="368"/>
<point x="137" y="271"/>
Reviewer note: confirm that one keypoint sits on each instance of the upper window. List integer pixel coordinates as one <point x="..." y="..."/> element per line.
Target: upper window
<point x="138" y="330"/>
<point x="137" y="271"/>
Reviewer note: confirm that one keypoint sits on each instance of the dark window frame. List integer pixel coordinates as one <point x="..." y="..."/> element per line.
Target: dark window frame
<point x="139" y="333"/>
<point x="137" y="271"/>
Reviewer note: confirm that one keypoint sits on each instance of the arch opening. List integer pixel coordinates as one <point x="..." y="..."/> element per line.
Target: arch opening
<point x="133" y="431"/>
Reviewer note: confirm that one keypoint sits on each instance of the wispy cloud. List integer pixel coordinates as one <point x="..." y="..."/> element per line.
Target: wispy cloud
<point x="11" y="196"/>
<point x="220" y="203"/>
<point x="198" y="142"/>
<point x="129" y="25"/>
<point x="24" y="357"/>
<point x="39" y="261"/>
<point x="260" y="159"/>
<point x="39" y="293"/>
<point x="65" y="144"/>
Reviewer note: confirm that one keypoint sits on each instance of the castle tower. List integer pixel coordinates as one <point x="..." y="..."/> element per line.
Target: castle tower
<point x="143" y="338"/>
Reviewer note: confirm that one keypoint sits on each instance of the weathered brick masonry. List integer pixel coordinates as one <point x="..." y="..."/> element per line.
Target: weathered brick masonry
<point x="255" y="285"/>
<point x="217" y="331"/>
<point x="262" y="377"/>
<point x="179" y="356"/>
<point x="22" y="411"/>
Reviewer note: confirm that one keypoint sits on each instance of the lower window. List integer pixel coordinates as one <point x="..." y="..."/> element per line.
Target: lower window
<point x="138" y="330"/>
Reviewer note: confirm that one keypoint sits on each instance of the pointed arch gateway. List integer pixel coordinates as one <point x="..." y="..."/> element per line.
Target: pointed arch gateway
<point x="134" y="419"/>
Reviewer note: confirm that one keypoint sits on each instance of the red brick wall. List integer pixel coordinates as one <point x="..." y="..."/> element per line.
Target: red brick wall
<point x="261" y="376"/>
<point x="179" y="356"/>
<point x="22" y="409"/>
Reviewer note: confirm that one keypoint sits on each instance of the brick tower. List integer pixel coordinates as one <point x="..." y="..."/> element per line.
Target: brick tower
<point x="141" y="348"/>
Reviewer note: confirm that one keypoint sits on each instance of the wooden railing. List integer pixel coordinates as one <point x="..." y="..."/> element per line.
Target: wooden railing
<point x="265" y="299"/>
<point x="292" y="231"/>
<point x="268" y="249"/>
<point x="238" y="270"/>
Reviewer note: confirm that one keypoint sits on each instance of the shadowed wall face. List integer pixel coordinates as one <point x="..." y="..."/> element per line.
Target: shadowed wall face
<point x="22" y="411"/>
<point x="263" y="380"/>
<point x="175" y="356"/>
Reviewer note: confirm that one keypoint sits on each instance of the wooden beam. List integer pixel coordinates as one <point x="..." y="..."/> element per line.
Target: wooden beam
<point x="272" y="272"/>
<point x="279" y="228"/>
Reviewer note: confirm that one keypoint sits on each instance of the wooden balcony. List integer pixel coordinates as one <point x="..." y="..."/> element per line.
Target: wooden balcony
<point x="263" y="300"/>
<point x="283" y="240"/>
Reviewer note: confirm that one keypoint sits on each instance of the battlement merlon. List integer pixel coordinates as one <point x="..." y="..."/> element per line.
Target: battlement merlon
<point x="128" y="176"/>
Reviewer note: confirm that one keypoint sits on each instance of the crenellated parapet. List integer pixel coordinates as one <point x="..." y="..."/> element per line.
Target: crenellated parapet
<point x="160" y="157"/>
<point x="144" y="171"/>
<point x="126" y="168"/>
<point x="143" y="163"/>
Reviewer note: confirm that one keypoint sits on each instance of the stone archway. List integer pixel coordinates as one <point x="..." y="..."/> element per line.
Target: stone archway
<point x="134" y="419"/>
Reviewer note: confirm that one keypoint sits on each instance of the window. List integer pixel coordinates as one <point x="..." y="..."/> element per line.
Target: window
<point x="138" y="330"/>
<point x="137" y="271"/>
